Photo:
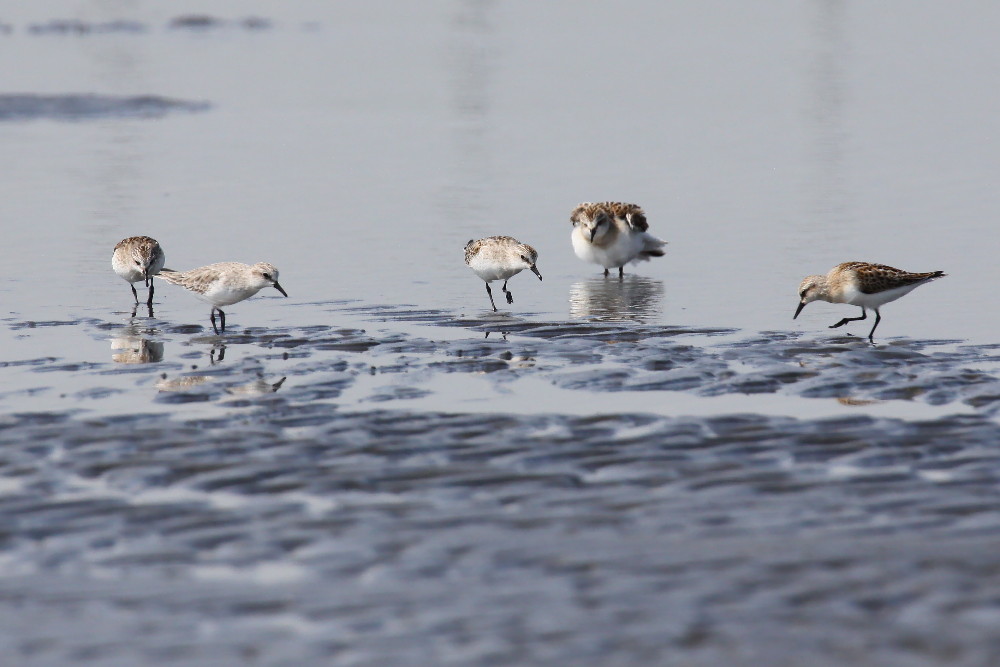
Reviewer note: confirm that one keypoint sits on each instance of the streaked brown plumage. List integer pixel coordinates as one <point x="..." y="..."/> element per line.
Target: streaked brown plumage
<point x="138" y="258"/>
<point x="861" y="284"/>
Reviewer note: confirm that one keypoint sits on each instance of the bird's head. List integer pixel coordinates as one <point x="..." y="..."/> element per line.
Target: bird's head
<point x="267" y="274"/>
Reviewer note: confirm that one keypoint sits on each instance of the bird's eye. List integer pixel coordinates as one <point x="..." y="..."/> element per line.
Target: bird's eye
<point x="267" y="276"/>
<point x="138" y="263"/>
<point x="525" y="259"/>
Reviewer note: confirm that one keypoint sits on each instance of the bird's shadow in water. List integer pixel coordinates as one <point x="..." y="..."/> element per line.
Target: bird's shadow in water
<point x="131" y="345"/>
<point x="258" y="386"/>
<point x="612" y="299"/>
<point x="212" y="359"/>
<point x="495" y="323"/>
<point x="148" y="308"/>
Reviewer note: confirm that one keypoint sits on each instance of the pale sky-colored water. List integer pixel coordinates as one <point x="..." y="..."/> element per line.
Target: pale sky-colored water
<point x="357" y="146"/>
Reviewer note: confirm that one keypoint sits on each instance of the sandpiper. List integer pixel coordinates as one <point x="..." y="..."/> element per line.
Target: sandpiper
<point x="138" y="258"/>
<point x="613" y="234"/>
<point x="861" y="284"/>
<point x="224" y="284"/>
<point x="500" y="258"/>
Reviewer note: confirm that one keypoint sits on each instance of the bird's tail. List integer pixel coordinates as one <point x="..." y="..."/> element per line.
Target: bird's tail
<point x="652" y="247"/>
<point x="171" y="276"/>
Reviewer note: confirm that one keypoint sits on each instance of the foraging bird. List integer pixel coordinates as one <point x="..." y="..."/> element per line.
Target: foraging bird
<point x="500" y="258"/>
<point x="861" y="284"/>
<point x="225" y="283"/>
<point x="138" y="258"/>
<point x="613" y="234"/>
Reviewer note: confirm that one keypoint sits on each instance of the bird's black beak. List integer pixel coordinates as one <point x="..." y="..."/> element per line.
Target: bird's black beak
<point x="798" y="310"/>
<point x="145" y="275"/>
<point x="593" y="230"/>
<point x="278" y="287"/>
<point x="534" y="269"/>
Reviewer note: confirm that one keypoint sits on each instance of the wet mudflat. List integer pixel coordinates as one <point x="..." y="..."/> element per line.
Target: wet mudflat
<point x="432" y="488"/>
<point x="376" y="470"/>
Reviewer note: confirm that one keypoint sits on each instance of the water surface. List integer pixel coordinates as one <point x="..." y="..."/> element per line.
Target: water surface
<point x="381" y="470"/>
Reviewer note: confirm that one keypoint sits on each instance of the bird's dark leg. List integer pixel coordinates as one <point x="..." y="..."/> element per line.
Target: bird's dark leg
<point x="621" y="271"/>
<point x="490" y="292"/>
<point x="134" y="293"/>
<point x="605" y="273"/>
<point x="222" y="316"/>
<point x="510" y="297"/>
<point x="878" y="318"/>
<point x="149" y="301"/>
<point x="212" y="317"/>
<point x="134" y="309"/>
<point x="864" y="315"/>
<point x="222" y="355"/>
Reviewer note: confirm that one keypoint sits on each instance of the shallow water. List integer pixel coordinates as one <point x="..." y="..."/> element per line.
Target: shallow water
<point x="421" y="487"/>
<point x="380" y="470"/>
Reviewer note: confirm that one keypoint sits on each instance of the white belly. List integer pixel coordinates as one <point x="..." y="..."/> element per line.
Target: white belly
<point x="621" y="251"/>
<point x="488" y="270"/>
<point x="130" y="273"/>
<point x="220" y="294"/>
<point x="856" y="297"/>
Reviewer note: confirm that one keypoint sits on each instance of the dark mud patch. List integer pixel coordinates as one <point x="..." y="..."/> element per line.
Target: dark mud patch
<point x="189" y="22"/>
<point x="89" y="106"/>
<point x="594" y="357"/>
<point x="77" y="27"/>
<point x="206" y="22"/>
<point x="601" y="356"/>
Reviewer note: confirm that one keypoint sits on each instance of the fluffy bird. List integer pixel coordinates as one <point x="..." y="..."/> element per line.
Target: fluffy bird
<point x="612" y="234"/>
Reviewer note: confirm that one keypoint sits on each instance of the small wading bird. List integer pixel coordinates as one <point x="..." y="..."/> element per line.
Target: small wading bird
<point x="861" y="284"/>
<point x="224" y="284"/>
<point x="138" y="258"/>
<point x="613" y="234"/>
<point x="500" y="258"/>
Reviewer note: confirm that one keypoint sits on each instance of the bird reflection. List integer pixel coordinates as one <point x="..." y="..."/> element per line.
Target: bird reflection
<point x="849" y="400"/>
<point x="181" y="383"/>
<point x="184" y="383"/>
<point x="632" y="299"/>
<point x="148" y="307"/>
<point x="130" y="347"/>
<point x="259" y="386"/>
<point x="212" y="359"/>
